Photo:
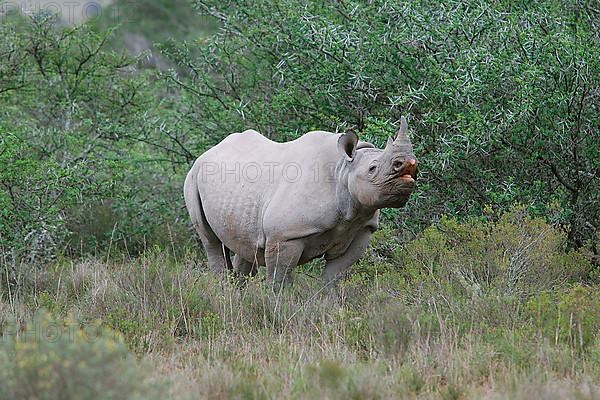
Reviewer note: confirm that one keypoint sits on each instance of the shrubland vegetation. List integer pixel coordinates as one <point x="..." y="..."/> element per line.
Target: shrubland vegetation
<point x="460" y="319"/>
<point x="484" y="286"/>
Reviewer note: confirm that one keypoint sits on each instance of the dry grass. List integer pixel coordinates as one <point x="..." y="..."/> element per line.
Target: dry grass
<point x="381" y="339"/>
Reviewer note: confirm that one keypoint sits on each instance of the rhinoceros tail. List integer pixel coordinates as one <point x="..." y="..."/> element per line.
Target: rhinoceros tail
<point x="193" y="204"/>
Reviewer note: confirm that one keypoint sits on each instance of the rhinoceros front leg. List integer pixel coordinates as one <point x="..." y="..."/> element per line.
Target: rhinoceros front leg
<point x="281" y="258"/>
<point x="336" y="268"/>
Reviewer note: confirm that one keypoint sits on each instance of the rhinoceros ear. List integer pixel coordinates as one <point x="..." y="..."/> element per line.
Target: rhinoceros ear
<point x="389" y="143"/>
<point x="347" y="145"/>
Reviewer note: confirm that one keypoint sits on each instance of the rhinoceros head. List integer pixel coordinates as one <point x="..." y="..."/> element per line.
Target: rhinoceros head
<point x="381" y="178"/>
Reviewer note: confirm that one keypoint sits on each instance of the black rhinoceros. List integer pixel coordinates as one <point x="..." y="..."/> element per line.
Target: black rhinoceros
<point x="284" y="204"/>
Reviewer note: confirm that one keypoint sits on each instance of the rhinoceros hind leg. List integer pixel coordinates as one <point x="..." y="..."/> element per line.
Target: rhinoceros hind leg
<point x="215" y="252"/>
<point x="281" y="258"/>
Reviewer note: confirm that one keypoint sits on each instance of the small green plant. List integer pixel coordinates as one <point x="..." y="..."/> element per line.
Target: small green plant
<point x="571" y="316"/>
<point x="63" y="359"/>
<point x="380" y="257"/>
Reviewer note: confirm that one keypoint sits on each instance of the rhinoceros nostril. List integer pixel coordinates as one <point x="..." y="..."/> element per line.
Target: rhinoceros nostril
<point x="407" y="168"/>
<point x="411" y="168"/>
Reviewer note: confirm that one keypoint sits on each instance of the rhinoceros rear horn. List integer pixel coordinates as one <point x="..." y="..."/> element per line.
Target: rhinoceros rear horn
<point x="347" y="145"/>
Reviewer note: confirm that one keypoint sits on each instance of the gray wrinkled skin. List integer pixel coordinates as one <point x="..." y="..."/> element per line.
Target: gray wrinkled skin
<point x="284" y="204"/>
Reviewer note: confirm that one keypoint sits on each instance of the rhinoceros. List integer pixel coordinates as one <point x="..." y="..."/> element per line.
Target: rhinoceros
<point x="283" y="204"/>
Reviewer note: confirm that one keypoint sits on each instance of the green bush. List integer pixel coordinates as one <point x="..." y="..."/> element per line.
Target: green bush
<point x="337" y="381"/>
<point x="515" y="255"/>
<point x="34" y="195"/>
<point x="90" y="144"/>
<point x="501" y="96"/>
<point x="62" y="359"/>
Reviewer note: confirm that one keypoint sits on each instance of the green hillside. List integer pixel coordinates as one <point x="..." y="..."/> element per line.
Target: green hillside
<point x="140" y="24"/>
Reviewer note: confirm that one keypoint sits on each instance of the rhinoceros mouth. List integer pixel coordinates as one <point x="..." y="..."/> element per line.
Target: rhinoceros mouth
<point x="409" y="171"/>
<point x="408" y="178"/>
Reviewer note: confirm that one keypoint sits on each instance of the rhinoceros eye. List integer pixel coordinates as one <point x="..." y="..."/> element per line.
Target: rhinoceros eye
<point x="372" y="168"/>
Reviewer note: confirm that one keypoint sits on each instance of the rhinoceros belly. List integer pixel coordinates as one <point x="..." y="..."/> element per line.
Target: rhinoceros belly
<point x="331" y="243"/>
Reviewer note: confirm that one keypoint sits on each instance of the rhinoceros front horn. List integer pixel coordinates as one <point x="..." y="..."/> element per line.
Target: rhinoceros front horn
<point x="402" y="142"/>
<point x="402" y="134"/>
